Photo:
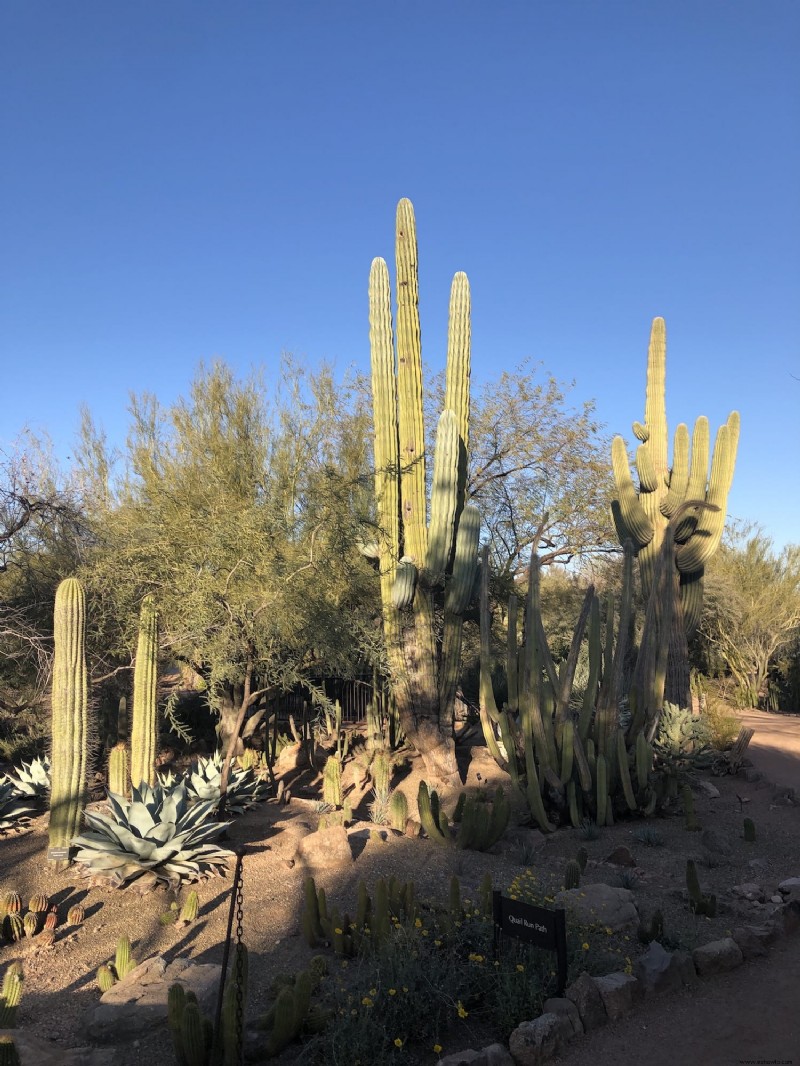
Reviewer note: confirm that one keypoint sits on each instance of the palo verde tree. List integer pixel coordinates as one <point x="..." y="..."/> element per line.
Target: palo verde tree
<point x="644" y="516"/>
<point x="427" y="562"/>
<point x="239" y="512"/>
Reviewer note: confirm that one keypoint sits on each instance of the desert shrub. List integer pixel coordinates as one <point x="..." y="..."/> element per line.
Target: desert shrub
<point x="720" y="725"/>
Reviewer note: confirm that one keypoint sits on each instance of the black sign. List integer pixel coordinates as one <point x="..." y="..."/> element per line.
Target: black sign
<point x="539" y="926"/>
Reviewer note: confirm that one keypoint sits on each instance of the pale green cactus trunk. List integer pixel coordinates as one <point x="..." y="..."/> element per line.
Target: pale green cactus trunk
<point x="70" y="720"/>
<point x="643" y="516"/>
<point x="144" y="729"/>
<point x="442" y="548"/>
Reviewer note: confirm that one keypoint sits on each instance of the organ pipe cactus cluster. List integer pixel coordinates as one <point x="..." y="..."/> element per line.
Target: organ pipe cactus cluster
<point x="644" y="516"/>
<point x="571" y="758"/>
<point x="70" y="721"/>
<point x="479" y="822"/>
<point x="423" y="561"/>
<point x="144" y="729"/>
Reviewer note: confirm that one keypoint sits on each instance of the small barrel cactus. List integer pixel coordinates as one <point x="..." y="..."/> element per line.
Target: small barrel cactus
<point x="105" y="978"/>
<point x="76" y="914"/>
<point x="572" y="874"/>
<point x="39" y="904"/>
<point x="13" y="927"/>
<point x="30" y="923"/>
<point x="12" y="902"/>
<point x="52" y="919"/>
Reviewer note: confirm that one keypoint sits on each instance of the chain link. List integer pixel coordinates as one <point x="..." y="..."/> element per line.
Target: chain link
<point x="239" y="976"/>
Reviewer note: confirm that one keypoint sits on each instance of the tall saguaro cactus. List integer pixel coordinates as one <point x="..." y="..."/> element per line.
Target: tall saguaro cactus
<point x="144" y="730"/>
<point x="70" y="721"/>
<point x="422" y="557"/>
<point x="643" y="516"/>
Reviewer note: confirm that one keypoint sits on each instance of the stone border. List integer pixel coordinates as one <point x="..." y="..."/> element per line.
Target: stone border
<point x="591" y="1002"/>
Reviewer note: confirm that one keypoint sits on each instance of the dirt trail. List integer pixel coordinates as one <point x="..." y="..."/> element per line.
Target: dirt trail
<point x="747" y="1016"/>
<point x="775" y="747"/>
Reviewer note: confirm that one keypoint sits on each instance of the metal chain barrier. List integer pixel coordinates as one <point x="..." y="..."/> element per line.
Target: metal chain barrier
<point x="239" y="976"/>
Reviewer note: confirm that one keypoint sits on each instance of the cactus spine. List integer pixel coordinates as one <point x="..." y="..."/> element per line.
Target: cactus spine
<point x="144" y="730"/>
<point x="70" y="718"/>
<point x="443" y="553"/>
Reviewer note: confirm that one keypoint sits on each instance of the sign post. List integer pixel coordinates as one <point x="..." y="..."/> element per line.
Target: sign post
<point x="546" y="929"/>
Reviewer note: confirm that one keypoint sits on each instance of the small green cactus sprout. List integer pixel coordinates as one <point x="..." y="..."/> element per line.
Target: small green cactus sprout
<point x="398" y="810"/>
<point x="13" y="927"/>
<point x="582" y="858"/>
<point x="10" y="995"/>
<point x="38" y="904"/>
<point x="124" y="963"/>
<point x="105" y="978"/>
<point x="30" y="923"/>
<point x="572" y="874"/>
<point x="190" y="909"/>
<point x="76" y="914"/>
<point x="749" y="830"/>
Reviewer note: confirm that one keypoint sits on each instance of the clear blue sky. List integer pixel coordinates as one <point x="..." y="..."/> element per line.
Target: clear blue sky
<point x="183" y="180"/>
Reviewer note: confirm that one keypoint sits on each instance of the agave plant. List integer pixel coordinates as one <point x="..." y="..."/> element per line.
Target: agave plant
<point x="15" y="809"/>
<point x="244" y="788"/>
<point x="157" y="835"/>
<point x="31" y="779"/>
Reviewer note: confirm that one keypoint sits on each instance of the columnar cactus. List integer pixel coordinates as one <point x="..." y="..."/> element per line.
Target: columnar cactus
<point x="332" y="781"/>
<point x="118" y="770"/>
<point x="10" y="996"/>
<point x="421" y="561"/>
<point x="144" y="731"/>
<point x="70" y="720"/>
<point x="643" y="516"/>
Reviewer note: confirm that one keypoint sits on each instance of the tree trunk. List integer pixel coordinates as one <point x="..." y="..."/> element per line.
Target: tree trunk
<point x="230" y="703"/>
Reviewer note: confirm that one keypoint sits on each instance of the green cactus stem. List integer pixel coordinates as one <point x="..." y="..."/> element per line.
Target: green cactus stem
<point x="13" y="927"/>
<point x="398" y="810"/>
<point x="749" y="830"/>
<point x="144" y="730"/>
<point x="10" y="996"/>
<point x="190" y="908"/>
<point x="105" y="977"/>
<point x="572" y="874"/>
<point x="124" y="963"/>
<point x="332" y="781"/>
<point x="430" y="815"/>
<point x="687" y="799"/>
<point x="582" y="858"/>
<point x="118" y="771"/>
<point x="70" y="720"/>
<point x="39" y="903"/>
<point x="30" y="923"/>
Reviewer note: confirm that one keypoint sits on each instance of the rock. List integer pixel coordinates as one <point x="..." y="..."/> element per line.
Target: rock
<point x="33" y="1051"/>
<point x="717" y="957"/>
<point x="682" y="961"/>
<point x="491" y="1055"/>
<point x="290" y="759"/>
<point x="621" y="856"/>
<point x="787" y="918"/>
<point x="790" y="886"/>
<point x="767" y="933"/>
<point x="710" y="790"/>
<point x="759" y="865"/>
<point x="538" y="1041"/>
<point x="585" y="994"/>
<point x="783" y="796"/>
<point x="748" y="943"/>
<point x="327" y="849"/>
<point x="749" y="890"/>
<point x="752" y="776"/>
<point x="777" y="898"/>
<point x="413" y="828"/>
<point x="600" y="904"/>
<point x="566" y="1008"/>
<point x="656" y="970"/>
<point x="131" y="1007"/>
<point x="618" y="991"/>
<point x="714" y="843"/>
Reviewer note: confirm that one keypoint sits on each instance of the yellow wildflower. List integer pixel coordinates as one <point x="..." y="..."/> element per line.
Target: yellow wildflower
<point x="462" y="1011"/>
<point x="366" y="1002"/>
<point x="392" y="991"/>
<point x="398" y="1042"/>
<point x="437" y="1048"/>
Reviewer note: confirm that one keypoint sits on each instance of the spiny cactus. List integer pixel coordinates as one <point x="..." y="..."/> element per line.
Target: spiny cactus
<point x="332" y="782"/>
<point x="144" y="731"/>
<point x="749" y="830"/>
<point x="39" y="903"/>
<point x="421" y="563"/>
<point x="644" y="516"/>
<point x="572" y="874"/>
<point x="13" y="927"/>
<point x="12" y="903"/>
<point x="687" y="799"/>
<point x="124" y="963"/>
<point x="9" y="1056"/>
<point x="398" y="810"/>
<point x="70" y="719"/>
<point x="118" y="771"/>
<point x="105" y="977"/>
<point x="30" y="923"/>
<point x="190" y="909"/>
<point x="10" y="996"/>
<point x="654" y="931"/>
<point x="582" y="858"/>
<point x="76" y="914"/>
<point x="698" y="902"/>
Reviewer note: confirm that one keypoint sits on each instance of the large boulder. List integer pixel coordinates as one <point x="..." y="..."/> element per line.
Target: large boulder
<point x="599" y="904"/>
<point x="33" y="1051"/>
<point x="657" y="970"/>
<point x="327" y="849"/>
<point x="619" y="992"/>
<point x="133" y="1006"/>
<point x="717" y="957"/>
<point x="536" y="1042"/>
<point x="585" y="994"/>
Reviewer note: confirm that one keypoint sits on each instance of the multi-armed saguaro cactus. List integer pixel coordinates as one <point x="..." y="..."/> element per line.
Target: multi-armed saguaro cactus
<point x="144" y="731"/>
<point x="421" y="559"/>
<point x="643" y="517"/>
<point x="70" y="720"/>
